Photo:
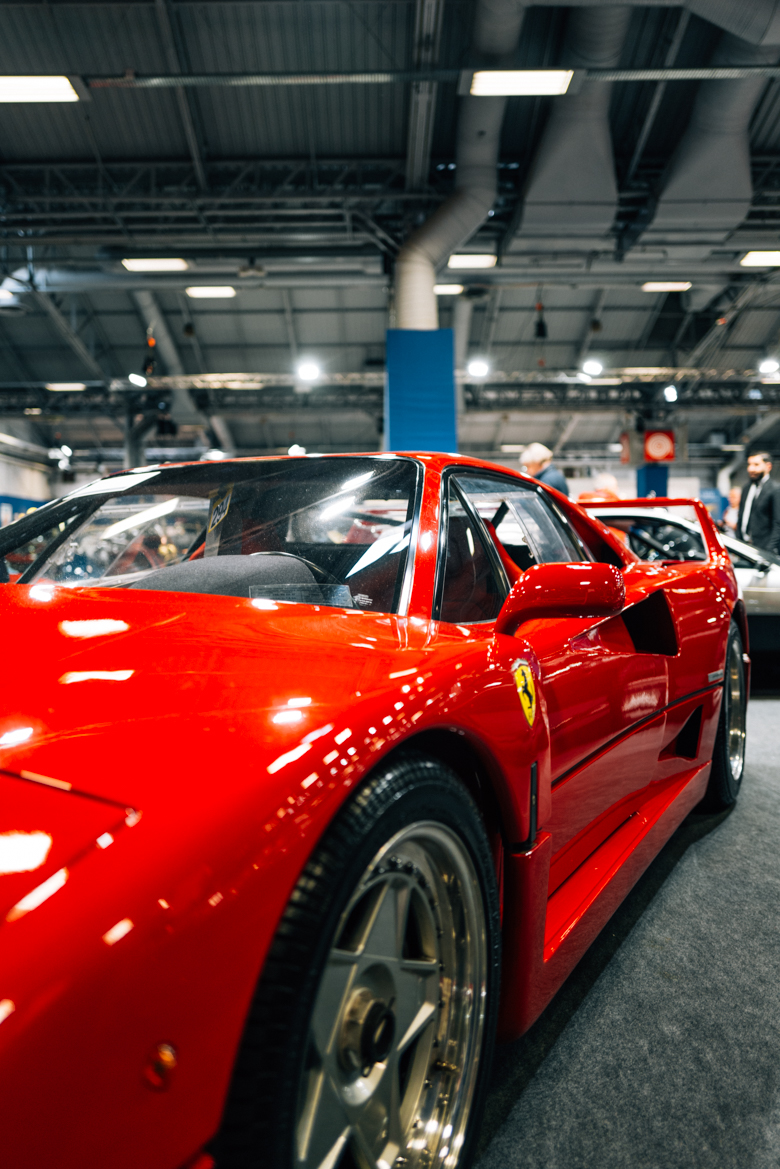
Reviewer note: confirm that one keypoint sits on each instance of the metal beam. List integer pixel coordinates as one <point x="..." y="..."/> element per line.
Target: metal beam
<point x="67" y="334"/>
<point x="422" y="104"/>
<point x="660" y="90"/>
<point x="185" y="110"/>
<point x="567" y="430"/>
<point x="290" y="325"/>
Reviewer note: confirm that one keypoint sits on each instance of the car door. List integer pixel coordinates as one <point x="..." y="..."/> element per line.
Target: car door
<point x="598" y="687"/>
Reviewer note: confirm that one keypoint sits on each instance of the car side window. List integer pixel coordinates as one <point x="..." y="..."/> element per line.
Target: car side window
<point x="471" y="589"/>
<point x="519" y="521"/>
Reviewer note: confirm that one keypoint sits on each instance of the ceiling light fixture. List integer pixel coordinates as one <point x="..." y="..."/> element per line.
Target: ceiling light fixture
<point x="308" y="371"/>
<point x="137" y="379"/>
<point x="666" y="286"/>
<point x="472" y="260"/>
<point x="670" y="393"/>
<point x="36" y="89"/>
<point x="592" y="367"/>
<point x="211" y="292"/>
<point x="478" y="367"/>
<point x="520" y="82"/>
<point x="769" y="365"/>
<point x="760" y="260"/>
<point x="156" y="264"/>
<point x="66" y="387"/>
<point x="448" y="289"/>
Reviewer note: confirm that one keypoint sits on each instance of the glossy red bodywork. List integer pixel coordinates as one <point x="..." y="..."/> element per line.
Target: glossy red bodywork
<point x="158" y="935"/>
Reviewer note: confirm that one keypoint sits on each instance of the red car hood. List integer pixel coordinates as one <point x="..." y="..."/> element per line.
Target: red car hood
<point x="140" y="697"/>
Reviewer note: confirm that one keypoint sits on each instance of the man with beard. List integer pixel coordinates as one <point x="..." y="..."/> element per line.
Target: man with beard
<point x="758" y="521"/>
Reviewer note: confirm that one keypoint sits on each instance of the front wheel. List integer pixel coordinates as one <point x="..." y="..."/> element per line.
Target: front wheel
<point x="369" y="1041"/>
<point x="728" y="757"/>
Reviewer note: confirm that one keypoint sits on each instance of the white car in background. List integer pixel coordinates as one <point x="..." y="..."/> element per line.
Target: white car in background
<point x="660" y="534"/>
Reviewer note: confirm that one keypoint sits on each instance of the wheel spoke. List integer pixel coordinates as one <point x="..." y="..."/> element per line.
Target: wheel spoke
<point x="385" y="933"/>
<point x="334" y="987"/>
<point x="323" y="1128"/>
<point x="422" y="1019"/>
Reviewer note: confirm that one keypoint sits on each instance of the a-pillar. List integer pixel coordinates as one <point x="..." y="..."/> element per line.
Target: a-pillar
<point x="420" y="411"/>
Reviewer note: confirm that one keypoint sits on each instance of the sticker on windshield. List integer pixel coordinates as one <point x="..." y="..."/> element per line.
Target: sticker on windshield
<point x="524" y="680"/>
<point x="219" y="509"/>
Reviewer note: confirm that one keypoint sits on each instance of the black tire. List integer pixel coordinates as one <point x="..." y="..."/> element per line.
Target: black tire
<point x="285" y="1073"/>
<point x="728" y="756"/>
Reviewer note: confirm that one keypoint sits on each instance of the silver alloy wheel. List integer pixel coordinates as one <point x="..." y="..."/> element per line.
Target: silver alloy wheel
<point x="734" y="697"/>
<point x="397" y="1027"/>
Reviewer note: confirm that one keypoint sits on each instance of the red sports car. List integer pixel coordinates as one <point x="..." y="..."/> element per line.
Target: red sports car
<point x="315" y="775"/>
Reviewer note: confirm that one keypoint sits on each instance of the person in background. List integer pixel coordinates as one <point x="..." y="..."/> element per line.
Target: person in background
<point x="758" y="521"/>
<point x="731" y="514"/>
<point x="536" y="461"/>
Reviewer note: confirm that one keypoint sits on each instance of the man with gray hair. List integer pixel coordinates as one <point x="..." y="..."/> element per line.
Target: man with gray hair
<point x="536" y="461"/>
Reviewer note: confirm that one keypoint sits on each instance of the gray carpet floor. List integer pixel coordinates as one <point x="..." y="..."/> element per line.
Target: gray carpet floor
<point x="663" y="1048"/>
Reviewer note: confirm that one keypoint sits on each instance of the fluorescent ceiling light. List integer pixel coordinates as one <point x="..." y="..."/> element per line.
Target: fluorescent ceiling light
<point x="156" y="264"/>
<point x="667" y="285"/>
<point x="769" y="365"/>
<point x="448" y="289"/>
<point x="525" y="82"/>
<point x="477" y="367"/>
<point x="137" y="379"/>
<point x="471" y="260"/>
<point x="211" y="292"/>
<point x="670" y="393"/>
<point x="66" y="387"/>
<point x="592" y="367"/>
<point x="28" y="89"/>
<point x="760" y="260"/>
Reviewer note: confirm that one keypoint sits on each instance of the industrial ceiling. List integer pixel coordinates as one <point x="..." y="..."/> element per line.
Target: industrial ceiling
<point x="291" y="149"/>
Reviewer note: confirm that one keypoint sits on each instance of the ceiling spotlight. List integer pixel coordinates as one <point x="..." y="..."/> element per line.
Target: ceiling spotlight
<point x="210" y="292"/>
<point x="448" y="289"/>
<point x="29" y="89"/>
<point x="592" y="367"/>
<point x="472" y="260"/>
<point x="296" y="450"/>
<point x="478" y="367"/>
<point x="213" y="455"/>
<point x="137" y="379"/>
<point x="308" y="371"/>
<point x="523" y="82"/>
<point x="760" y="260"/>
<point x="769" y="365"/>
<point x="666" y="286"/>
<point x="156" y="264"/>
<point x="66" y="387"/>
<point x="670" y="393"/>
<point x="251" y="269"/>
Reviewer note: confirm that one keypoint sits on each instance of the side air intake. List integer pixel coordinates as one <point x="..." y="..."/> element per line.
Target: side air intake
<point x="650" y="626"/>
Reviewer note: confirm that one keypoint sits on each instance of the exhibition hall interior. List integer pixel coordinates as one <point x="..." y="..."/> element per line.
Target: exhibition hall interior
<point x="310" y="864"/>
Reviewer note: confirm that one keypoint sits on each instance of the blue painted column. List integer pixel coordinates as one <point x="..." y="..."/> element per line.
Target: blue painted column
<point x="652" y="477"/>
<point x="420" y="391"/>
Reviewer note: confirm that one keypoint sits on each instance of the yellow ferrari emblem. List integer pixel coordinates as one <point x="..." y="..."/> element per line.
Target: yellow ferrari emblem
<point x="526" y="689"/>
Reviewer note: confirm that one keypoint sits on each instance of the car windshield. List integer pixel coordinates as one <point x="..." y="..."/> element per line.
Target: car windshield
<point x="325" y="531"/>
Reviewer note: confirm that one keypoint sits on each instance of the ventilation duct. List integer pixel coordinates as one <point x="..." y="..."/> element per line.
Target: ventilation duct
<point x="496" y="33"/>
<point x="572" y="189"/>
<point x="708" y="188"/>
<point x="756" y="21"/>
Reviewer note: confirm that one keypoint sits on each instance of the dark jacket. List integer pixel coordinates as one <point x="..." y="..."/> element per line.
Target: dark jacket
<point x="764" y="520"/>
<point x="553" y="478"/>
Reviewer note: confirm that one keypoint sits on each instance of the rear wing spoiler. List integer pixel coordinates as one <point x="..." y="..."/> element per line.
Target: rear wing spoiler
<point x="709" y="531"/>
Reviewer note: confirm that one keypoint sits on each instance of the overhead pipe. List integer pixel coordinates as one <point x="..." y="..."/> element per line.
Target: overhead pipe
<point x="709" y="186"/>
<point x="496" y="33"/>
<point x="756" y="21"/>
<point x="572" y="188"/>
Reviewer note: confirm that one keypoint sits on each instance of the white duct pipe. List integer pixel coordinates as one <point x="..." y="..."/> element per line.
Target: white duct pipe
<point x="496" y="32"/>
<point x="572" y="188"/>
<point x="756" y="21"/>
<point x="709" y="185"/>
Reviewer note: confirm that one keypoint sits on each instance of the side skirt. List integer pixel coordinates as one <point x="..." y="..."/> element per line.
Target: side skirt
<point x="544" y="938"/>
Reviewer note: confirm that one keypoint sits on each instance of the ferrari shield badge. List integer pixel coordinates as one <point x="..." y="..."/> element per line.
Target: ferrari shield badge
<point x="524" y="680"/>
